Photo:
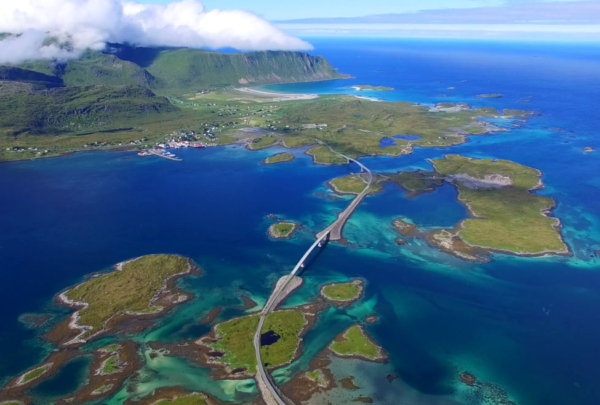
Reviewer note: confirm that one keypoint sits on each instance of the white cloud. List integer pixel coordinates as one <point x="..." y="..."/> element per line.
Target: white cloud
<point x="92" y="23"/>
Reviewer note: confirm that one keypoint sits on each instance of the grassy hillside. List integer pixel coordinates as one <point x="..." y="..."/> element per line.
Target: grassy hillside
<point x="186" y="70"/>
<point x="183" y="70"/>
<point x="73" y="109"/>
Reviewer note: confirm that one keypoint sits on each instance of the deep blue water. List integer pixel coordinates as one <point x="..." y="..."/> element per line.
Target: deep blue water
<point x="530" y="325"/>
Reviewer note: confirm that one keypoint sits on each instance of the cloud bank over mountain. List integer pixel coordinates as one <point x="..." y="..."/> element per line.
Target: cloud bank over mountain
<point x="91" y="23"/>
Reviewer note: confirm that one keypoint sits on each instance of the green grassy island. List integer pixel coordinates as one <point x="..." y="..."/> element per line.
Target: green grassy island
<point x="507" y="216"/>
<point x="353" y="184"/>
<point x="355" y="342"/>
<point x="318" y="377"/>
<point x="343" y="292"/>
<point x="34" y="374"/>
<point x="111" y="295"/>
<point x="283" y="230"/>
<point x="279" y="158"/>
<point x="235" y="339"/>
<point x="361" y="87"/>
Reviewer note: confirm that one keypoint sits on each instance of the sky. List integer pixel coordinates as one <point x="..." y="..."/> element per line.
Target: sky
<point x="275" y="24"/>
<point x="275" y="10"/>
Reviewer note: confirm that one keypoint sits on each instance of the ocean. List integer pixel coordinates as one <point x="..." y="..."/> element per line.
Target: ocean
<point x="529" y="326"/>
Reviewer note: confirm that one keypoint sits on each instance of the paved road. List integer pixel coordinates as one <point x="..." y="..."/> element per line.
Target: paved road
<point x="335" y="230"/>
<point x="269" y="307"/>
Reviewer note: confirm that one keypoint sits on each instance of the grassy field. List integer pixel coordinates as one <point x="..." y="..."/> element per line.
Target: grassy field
<point x="236" y="339"/>
<point x="263" y="142"/>
<point x="355" y="342"/>
<point x="112" y="294"/>
<point x="282" y="229"/>
<point x="193" y="399"/>
<point x="111" y="365"/>
<point x="324" y="156"/>
<point x="508" y="218"/>
<point x="34" y="374"/>
<point x="417" y="182"/>
<point x="342" y="291"/>
<point x="353" y="184"/>
<point x="279" y="158"/>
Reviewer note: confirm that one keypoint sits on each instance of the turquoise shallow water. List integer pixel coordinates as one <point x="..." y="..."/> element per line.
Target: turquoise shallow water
<point x="529" y="325"/>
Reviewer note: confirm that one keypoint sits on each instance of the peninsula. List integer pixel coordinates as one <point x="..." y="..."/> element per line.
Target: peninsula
<point x="98" y="312"/>
<point x="361" y="87"/>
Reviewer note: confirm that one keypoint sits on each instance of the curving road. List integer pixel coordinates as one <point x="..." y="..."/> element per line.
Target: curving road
<point x="335" y="230"/>
<point x="268" y="389"/>
<point x="275" y="397"/>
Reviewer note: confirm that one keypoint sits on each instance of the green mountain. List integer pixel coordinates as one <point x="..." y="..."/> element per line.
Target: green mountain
<point x="184" y="70"/>
<point x="38" y="110"/>
<point x="115" y="88"/>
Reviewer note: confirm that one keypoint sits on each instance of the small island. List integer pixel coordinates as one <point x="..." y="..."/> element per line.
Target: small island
<point x="318" y="377"/>
<point x="98" y="312"/>
<point x="356" y="343"/>
<point x="417" y="182"/>
<point x="279" y="158"/>
<point x="492" y="95"/>
<point x="405" y="228"/>
<point x="507" y="217"/>
<point x="353" y="184"/>
<point x="283" y="230"/>
<point x="263" y="142"/>
<point x="361" y="87"/>
<point x="34" y="374"/>
<point x="343" y="294"/>
<point x="588" y="149"/>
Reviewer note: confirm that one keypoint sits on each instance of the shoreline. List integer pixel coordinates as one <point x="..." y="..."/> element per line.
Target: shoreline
<point x="276" y="95"/>
<point x="344" y="303"/>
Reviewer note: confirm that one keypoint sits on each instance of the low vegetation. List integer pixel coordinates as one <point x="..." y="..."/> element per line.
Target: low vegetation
<point x="324" y="156"/>
<point x="113" y="294"/>
<point x="353" y="184"/>
<point x="193" y="399"/>
<point x="279" y="158"/>
<point x="282" y="230"/>
<point x="263" y="142"/>
<point x="416" y="182"/>
<point x="34" y="374"/>
<point x="236" y="340"/>
<point x="343" y="291"/>
<point x="507" y="217"/>
<point x="355" y="342"/>
<point x="112" y="365"/>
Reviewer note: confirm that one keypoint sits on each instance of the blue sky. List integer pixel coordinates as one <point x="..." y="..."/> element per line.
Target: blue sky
<point x="284" y="10"/>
